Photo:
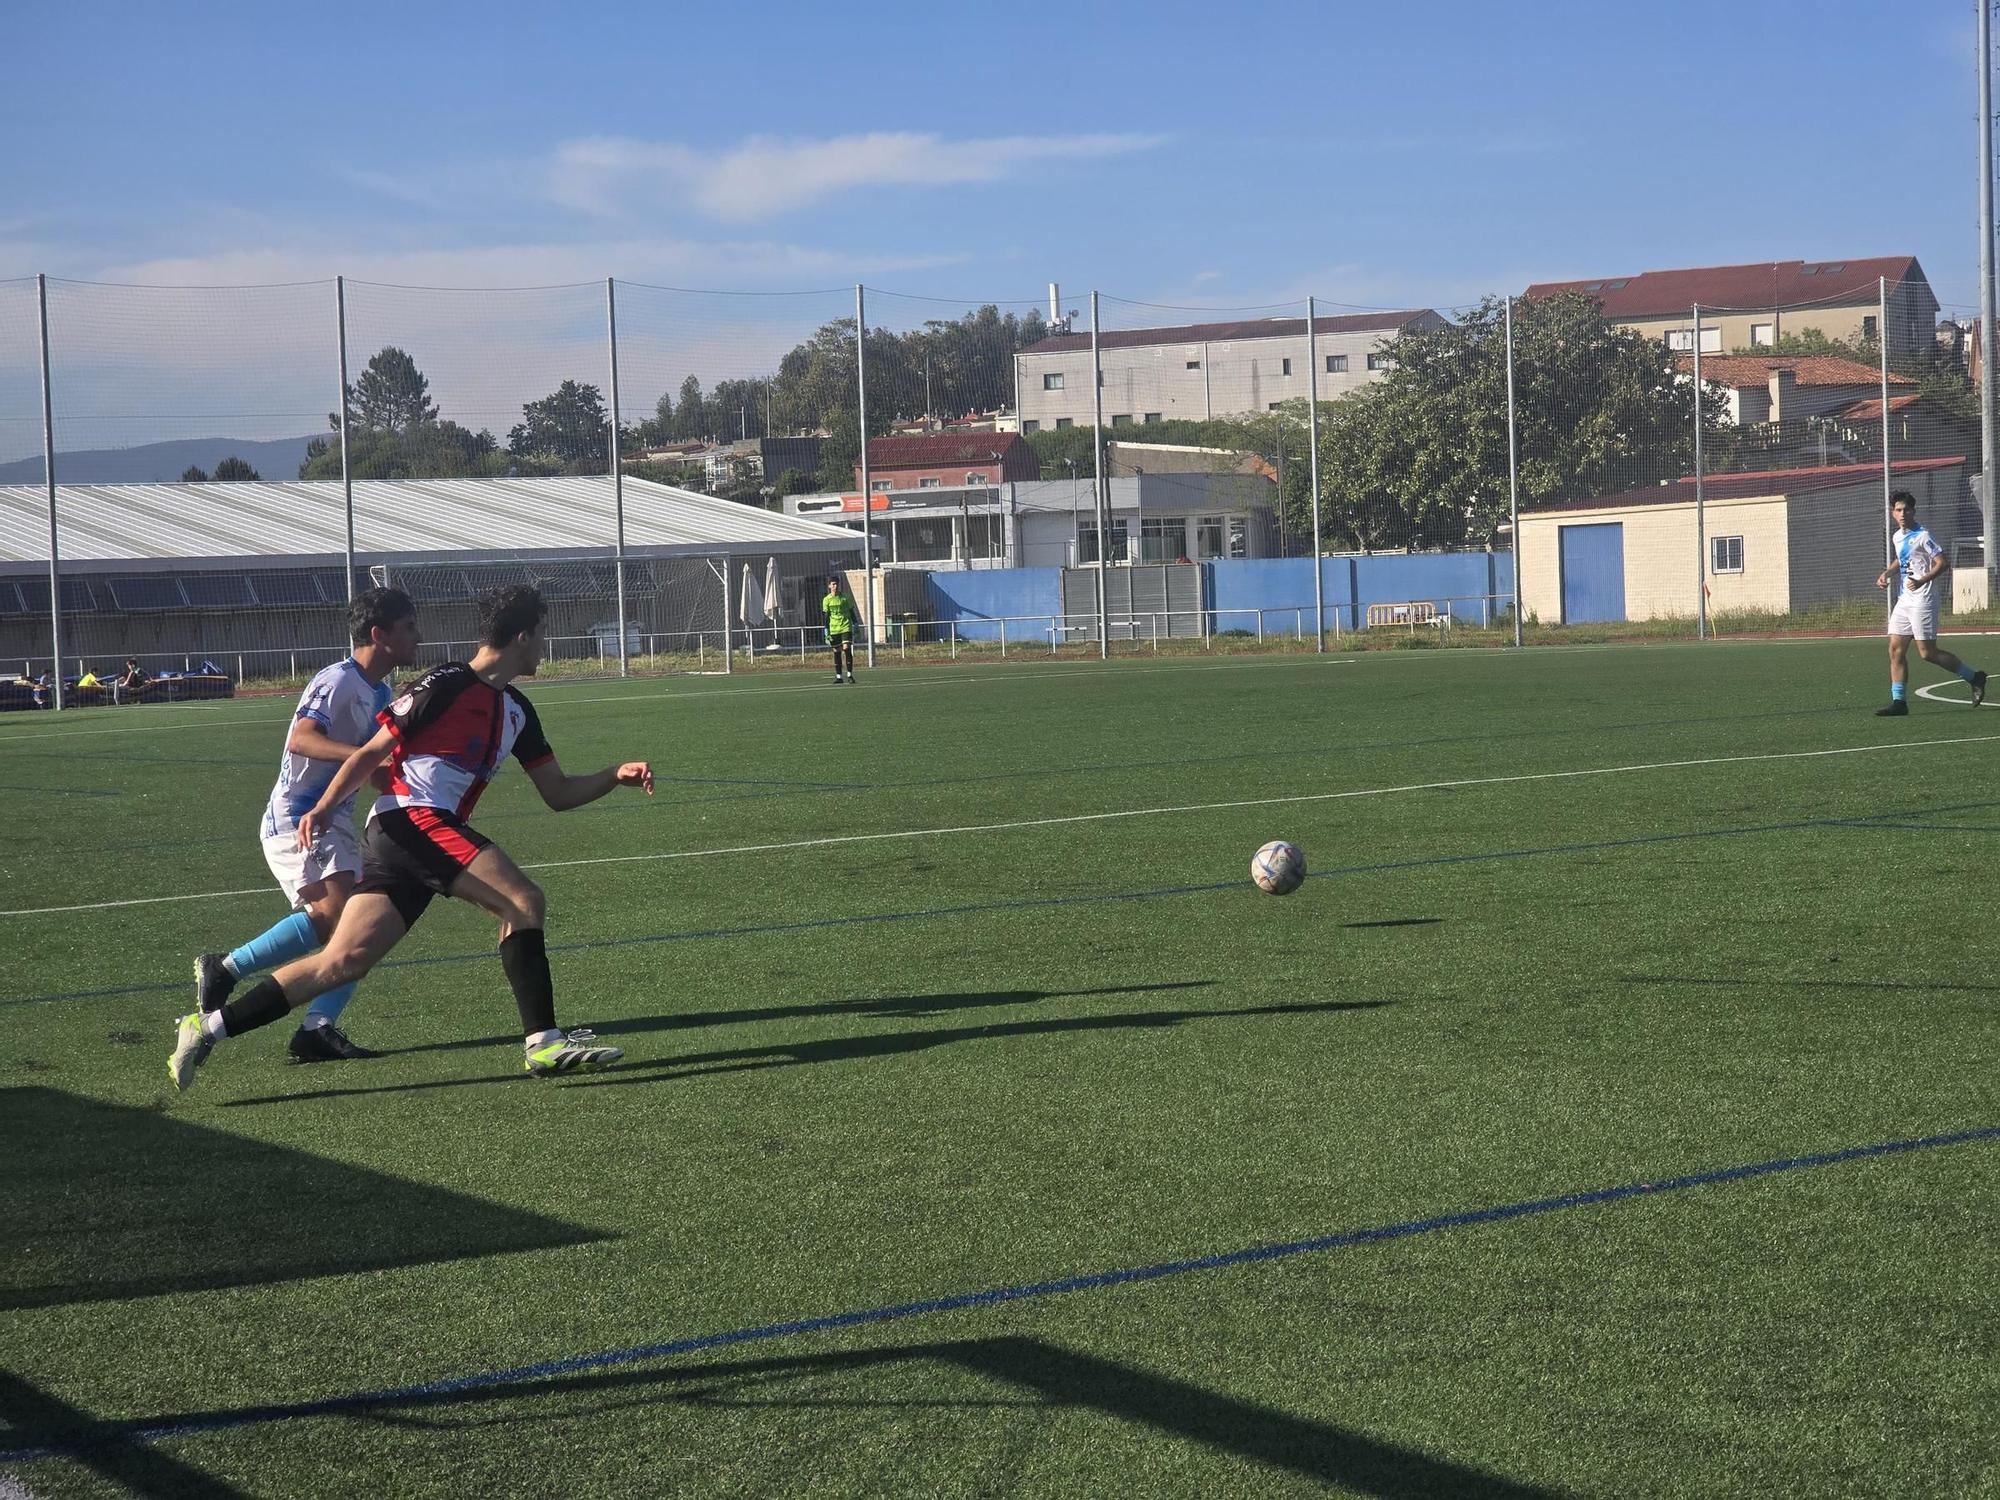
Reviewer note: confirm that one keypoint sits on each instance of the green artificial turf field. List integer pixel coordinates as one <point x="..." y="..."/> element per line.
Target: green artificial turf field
<point x="954" y="983"/>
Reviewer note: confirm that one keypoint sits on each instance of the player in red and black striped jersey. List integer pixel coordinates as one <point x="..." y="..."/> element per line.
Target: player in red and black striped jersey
<point x="441" y="744"/>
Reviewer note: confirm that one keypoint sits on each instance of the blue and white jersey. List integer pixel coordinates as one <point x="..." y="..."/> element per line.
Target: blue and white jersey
<point x="1916" y="555"/>
<point x="343" y="703"/>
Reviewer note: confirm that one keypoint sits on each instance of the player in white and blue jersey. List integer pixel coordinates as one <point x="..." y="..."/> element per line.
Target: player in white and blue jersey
<point x="335" y="713"/>
<point x="1920" y="563"/>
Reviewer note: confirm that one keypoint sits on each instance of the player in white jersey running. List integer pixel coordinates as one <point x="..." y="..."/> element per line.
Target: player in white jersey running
<point x="336" y="713"/>
<point x="1921" y="563"/>
<point x="442" y="743"/>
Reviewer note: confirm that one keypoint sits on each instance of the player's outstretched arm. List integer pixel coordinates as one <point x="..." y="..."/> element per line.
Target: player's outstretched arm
<point x="354" y="770"/>
<point x="563" y="793"/>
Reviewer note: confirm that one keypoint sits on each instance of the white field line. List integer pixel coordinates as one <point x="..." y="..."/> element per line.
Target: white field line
<point x="1297" y="799"/>
<point x="642" y="694"/>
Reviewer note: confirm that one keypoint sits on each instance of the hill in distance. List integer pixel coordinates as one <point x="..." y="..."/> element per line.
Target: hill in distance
<point x="159" y="463"/>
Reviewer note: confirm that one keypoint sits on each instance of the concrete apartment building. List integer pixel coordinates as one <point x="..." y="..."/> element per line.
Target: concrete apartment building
<point x="1202" y="370"/>
<point x="1752" y="306"/>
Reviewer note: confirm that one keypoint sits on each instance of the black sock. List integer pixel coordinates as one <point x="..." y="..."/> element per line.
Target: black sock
<point x="525" y="957"/>
<point x="262" y="1004"/>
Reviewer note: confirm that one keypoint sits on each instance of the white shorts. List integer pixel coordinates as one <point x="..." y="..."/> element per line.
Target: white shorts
<point x="295" y="868"/>
<point x="1915" y="615"/>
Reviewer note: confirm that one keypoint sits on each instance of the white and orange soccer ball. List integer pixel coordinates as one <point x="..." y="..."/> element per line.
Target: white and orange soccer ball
<point x="1278" y="868"/>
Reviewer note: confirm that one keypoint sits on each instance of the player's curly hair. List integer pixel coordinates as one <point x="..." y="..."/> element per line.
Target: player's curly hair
<point x="373" y="607"/>
<point x="511" y="610"/>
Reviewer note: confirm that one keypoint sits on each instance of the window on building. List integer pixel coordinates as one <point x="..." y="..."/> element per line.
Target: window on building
<point x="1680" y="340"/>
<point x="1287" y="367"/>
<point x="1121" y="419"/>
<point x="930" y="484"/>
<point x="1052" y="382"/>
<point x="1086" y="542"/>
<point x="1031" y="425"/>
<point x="1869" y="327"/>
<point x="1162" y="539"/>
<point x="1763" y="335"/>
<point x="975" y="477"/>
<point x="1725" y="554"/>
<point x="1210" y="537"/>
<point x="881" y="486"/>
<point x="1239" y="536"/>
<point x="1275" y="406"/>
<point x="1194" y="364"/>
<point x="1151" y="416"/>
<point x="1380" y="362"/>
<point x="1062" y="422"/>
<point x="1336" y="364"/>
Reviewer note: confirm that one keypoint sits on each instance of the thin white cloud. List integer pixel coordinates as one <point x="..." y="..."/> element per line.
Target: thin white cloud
<point x="766" y="176"/>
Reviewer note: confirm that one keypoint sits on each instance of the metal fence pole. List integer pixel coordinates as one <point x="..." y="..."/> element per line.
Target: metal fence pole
<point x="1888" y="471"/>
<point x="1513" y="474"/>
<point x="1312" y="458"/>
<point x="346" y="475"/>
<point x="1700" y="498"/>
<point x="49" y="477"/>
<point x="867" y="610"/>
<point x="1989" y="467"/>
<point x="1103" y="485"/>
<point x="728" y="633"/>
<point x="617" y="472"/>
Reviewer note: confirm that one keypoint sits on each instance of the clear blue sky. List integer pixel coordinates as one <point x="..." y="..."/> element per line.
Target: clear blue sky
<point x="1371" y="154"/>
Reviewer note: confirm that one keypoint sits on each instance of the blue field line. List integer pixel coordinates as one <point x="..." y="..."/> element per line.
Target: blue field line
<point x="157" y="1429"/>
<point x="1030" y="903"/>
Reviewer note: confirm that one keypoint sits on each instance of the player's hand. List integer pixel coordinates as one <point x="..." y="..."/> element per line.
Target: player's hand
<point x="636" y="773"/>
<point x="1882" y="579"/>
<point x="309" y="832"/>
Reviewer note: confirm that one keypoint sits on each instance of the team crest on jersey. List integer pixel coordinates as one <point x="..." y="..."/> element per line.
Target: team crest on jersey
<point x="402" y="706"/>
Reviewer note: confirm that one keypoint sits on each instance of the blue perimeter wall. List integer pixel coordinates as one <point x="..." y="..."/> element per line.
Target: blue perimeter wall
<point x="1474" y="585"/>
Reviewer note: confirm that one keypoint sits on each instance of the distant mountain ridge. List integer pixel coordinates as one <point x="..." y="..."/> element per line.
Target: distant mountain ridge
<point x="159" y="463"/>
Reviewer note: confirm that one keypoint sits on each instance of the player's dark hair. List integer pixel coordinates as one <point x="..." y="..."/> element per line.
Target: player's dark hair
<point x="376" y="607"/>
<point x="1903" y="497"/>
<point x="508" y="611"/>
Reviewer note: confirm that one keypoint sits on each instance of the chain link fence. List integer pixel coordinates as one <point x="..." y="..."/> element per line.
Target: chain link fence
<point x="681" y="472"/>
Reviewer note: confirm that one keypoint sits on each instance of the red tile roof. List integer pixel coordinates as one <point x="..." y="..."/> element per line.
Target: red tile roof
<point x="1753" y="371"/>
<point x="1218" y="333"/>
<point x="931" y="450"/>
<point x="1746" y="486"/>
<point x="1871" y="409"/>
<point x="1776" y="283"/>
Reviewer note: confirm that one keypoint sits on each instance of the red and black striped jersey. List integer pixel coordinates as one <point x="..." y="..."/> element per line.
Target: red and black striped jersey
<point x="452" y="732"/>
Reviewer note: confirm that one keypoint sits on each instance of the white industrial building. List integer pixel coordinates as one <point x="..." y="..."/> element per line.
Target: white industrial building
<point x="1203" y="370"/>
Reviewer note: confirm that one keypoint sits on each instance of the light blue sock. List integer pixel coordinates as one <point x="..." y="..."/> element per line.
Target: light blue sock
<point x="326" y="1010"/>
<point x="292" y="938"/>
<point x="1898" y="691"/>
<point x="1967" y="672"/>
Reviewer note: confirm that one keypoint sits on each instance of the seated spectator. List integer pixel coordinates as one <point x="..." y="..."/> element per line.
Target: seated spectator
<point x="128" y="686"/>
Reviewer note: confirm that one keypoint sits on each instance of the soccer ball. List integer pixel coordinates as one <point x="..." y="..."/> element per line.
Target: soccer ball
<point x="1278" y="868"/>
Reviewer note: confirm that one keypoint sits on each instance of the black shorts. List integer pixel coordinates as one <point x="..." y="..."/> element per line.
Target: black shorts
<point x="411" y="854"/>
<point x="839" y="638"/>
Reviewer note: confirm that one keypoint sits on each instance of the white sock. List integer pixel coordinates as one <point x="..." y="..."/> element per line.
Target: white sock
<point x="542" y="1039"/>
<point x="211" y="1022"/>
<point x="229" y="967"/>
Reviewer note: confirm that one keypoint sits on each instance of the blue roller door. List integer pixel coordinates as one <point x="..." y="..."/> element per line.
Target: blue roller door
<point x="1593" y="572"/>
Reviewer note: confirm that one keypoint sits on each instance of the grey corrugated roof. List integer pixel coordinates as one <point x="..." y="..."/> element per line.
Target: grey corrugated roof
<point x="149" y="523"/>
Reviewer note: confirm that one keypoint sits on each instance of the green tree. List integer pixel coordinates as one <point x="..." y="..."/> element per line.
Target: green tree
<point x="194" y="475"/>
<point x="391" y="395"/>
<point x="566" y="429"/>
<point x="839" y="451"/>
<point x="793" y="482"/>
<point x="690" y="416"/>
<point x="1419" y="458"/>
<point x="234" y="468"/>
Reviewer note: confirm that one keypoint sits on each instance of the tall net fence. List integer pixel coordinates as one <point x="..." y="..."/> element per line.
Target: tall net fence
<point x="680" y="472"/>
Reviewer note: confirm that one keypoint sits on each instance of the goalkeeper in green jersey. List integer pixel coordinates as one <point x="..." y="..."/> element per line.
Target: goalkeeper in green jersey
<point x="839" y="627"/>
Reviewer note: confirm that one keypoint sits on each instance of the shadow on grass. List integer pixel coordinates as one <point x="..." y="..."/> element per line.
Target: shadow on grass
<point x="1035" y="1378"/>
<point x="111" y="1202"/>
<point x="884" y="1005"/>
<point x="31" y="1413"/>
<point x="842" y="1049"/>
<point x="1394" y="922"/>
